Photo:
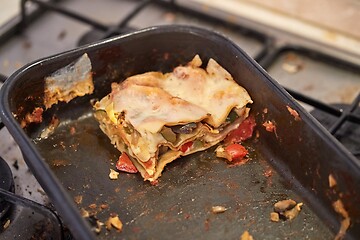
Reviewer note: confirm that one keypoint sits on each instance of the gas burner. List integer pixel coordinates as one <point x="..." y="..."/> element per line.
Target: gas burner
<point x="348" y="134"/>
<point x="6" y="183"/>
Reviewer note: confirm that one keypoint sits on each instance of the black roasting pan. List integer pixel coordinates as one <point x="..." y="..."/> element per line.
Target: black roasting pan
<point x="295" y="161"/>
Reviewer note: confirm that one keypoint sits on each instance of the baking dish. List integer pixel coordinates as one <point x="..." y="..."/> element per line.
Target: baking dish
<point x="300" y="155"/>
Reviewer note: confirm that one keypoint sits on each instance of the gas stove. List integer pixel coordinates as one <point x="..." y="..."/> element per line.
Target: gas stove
<point x="326" y="81"/>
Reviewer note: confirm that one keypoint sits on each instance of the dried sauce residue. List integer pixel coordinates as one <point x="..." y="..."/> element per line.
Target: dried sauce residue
<point x="34" y="117"/>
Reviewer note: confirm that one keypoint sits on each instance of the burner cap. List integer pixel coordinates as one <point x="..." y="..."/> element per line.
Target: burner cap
<point x="6" y="183"/>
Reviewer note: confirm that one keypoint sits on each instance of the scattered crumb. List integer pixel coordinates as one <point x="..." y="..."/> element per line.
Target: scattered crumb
<point x="294" y="113"/>
<point x="84" y="213"/>
<point x="284" y="205"/>
<point x="268" y="172"/>
<point x="286" y="210"/>
<point x="41" y="191"/>
<point x="292" y="213"/>
<point x="78" y="199"/>
<point x="274" y="216"/>
<point x="246" y="236"/>
<point x="332" y="181"/>
<point x="34" y="117"/>
<point x="218" y="209"/>
<point x="269" y="126"/>
<point x="6" y="224"/>
<point x="93" y="206"/>
<point x="115" y="222"/>
<point x="113" y="175"/>
<point x="98" y="227"/>
<point x="104" y="206"/>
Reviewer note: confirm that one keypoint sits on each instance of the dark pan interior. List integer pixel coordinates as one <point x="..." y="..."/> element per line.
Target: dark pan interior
<point x="300" y="155"/>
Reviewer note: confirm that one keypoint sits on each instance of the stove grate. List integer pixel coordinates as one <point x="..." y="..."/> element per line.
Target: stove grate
<point x="266" y="56"/>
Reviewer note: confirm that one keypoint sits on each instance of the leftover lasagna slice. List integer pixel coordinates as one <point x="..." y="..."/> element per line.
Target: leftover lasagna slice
<point x="69" y="82"/>
<point x="156" y="118"/>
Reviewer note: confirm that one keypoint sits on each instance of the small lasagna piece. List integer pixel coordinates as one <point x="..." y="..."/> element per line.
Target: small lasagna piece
<point x="155" y="118"/>
<point x="74" y="80"/>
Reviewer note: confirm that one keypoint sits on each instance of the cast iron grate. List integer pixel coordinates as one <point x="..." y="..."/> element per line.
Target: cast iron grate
<point x="266" y="56"/>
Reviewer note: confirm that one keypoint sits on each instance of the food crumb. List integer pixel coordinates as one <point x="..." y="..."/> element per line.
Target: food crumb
<point x="113" y="175"/>
<point x="286" y="209"/>
<point x="114" y="221"/>
<point x="84" y="213"/>
<point x="274" y="216"/>
<point x="284" y="205"/>
<point x="332" y="181"/>
<point x="93" y="206"/>
<point x="246" y="236"/>
<point x="218" y="209"/>
<point x="78" y="199"/>
<point x="6" y="224"/>
<point x="294" y="113"/>
<point x="269" y="126"/>
<point x="104" y="206"/>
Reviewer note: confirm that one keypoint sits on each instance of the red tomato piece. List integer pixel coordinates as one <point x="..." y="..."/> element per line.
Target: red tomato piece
<point x="236" y="151"/>
<point x="124" y="164"/>
<point x="243" y="132"/>
<point x="186" y="146"/>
